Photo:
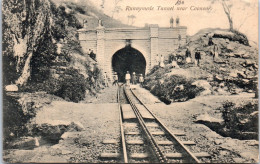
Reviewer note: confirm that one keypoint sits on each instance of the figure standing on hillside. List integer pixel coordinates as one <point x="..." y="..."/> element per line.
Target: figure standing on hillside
<point x="127" y="78"/>
<point x="157" y="60"/>
<point x="141" y="80"/>
<point x="106" y="79"/>
<point x="210" y="43"/>
<point x="171" y="58"/>
<point x="215" y="51"/>
<point x="91" y="54"/>
<point x="133" y="78"/>
<point x="171" y="22"/>
<point x="175" y="64"/>
<point x="100" y="23"/>
<point x="177" y="21"/>
<point x="197" y="57"/>
<point x="115" y="77"/>
<point x="188" y="55"/>
<point x="85" y="22"/>
<point x="162" y="61"/>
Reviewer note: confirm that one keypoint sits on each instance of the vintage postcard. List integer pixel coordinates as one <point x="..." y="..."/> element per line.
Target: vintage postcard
<point x="130" y="81"/>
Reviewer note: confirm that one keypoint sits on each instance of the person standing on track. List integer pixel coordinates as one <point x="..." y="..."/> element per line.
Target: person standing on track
<point x="141" y="80"/>
<point x="115" y="79"/>
<point x="127" y="78"/>
<point x="133" y="78"/>
<point x="106" y="79"/>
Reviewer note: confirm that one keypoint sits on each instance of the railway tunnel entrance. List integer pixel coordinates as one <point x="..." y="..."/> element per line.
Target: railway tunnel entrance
<point x="128" y="59"/>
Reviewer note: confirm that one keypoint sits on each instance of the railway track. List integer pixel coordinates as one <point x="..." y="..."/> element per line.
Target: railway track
<point x="145" y="139"/>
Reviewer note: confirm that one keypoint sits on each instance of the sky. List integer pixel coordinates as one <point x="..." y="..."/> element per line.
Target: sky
<point x="243" y="12"/>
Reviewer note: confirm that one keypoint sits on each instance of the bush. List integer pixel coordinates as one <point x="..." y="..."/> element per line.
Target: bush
<point x="13" y="119"/>
<point x="174" y="88"/>
<point x="71" y="86"/>
<point x="242" y="38"/>
<point x="243" y="118"/>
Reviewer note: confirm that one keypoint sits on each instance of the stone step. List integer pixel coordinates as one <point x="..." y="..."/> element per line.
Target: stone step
<point x="144" y="112"/>
<point x="152" y="125"/>
<point x="202" y="155"/>
<point x="130" y="125"/>
<point x="171" y="143"/>
<point x="188" y="142"/>
<point x="135" y="142"/>
<point x="128" y="112"/>
<point x="158" y="133"/>
<point x="110" y="141"/>
<point x="139" y="155"/>
<point x="132" y="133"/>
<point x="174" y="155"/>
<point x="179" y="155"/>
<point x="164" y="142"/>
<point x="179" y="134"/>
<point x="109" y="155"/>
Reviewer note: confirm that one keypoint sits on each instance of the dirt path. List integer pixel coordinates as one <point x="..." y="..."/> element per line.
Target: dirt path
<point x="100" y="121"/>
<point x="181" y="116"/>
<point x="107" y="95"/>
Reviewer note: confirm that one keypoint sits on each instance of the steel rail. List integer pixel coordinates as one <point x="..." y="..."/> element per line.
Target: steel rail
<point x="123" y="141"/>
<point x="188" y="152"/>
<point x="160" y="156"/>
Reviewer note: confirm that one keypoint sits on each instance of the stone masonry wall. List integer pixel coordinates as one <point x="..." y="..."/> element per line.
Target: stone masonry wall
<point x="149" y="41"/>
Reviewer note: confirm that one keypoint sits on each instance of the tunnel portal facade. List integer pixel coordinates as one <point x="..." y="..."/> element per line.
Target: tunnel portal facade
<point x="149" y="41"/>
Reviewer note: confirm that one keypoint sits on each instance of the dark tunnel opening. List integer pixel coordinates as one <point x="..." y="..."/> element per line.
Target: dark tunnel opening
<point x="128" y="59"/>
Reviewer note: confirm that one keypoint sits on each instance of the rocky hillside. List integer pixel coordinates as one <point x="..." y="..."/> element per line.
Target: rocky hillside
<point x="237" y="62"/>
<point x="40" y="47"/>
<point x="85" y="10"/>
<point x="43" y="60"/>
<point x="233" y="71"/>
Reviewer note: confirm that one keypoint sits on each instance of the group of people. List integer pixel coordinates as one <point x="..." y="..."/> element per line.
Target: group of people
<point x="159" y="60"/>
<point x="175" y="60"/>
<point x="197" y="56"/>
<point x="133" y="79"/>
<point x="213" y="49"/>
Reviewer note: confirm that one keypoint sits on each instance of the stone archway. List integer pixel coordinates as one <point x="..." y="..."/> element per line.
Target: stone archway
<point x="128" y="59"/>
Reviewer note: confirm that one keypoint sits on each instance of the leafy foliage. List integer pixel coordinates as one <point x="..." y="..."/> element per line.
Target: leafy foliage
<point x="242" y="118"/>
<point x="168" y="89"/>
<point x="72" y="86"/>
<point x="13" y="119"/>
<point x="37" y="27"/>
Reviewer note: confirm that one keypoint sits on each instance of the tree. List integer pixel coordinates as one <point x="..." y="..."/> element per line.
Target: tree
<point x="227" y="10"/>
<point x="228" y="5"/>
<point x="117" y="8"/>
<point x="24" y="24"/>
<point x="131" y="19"/>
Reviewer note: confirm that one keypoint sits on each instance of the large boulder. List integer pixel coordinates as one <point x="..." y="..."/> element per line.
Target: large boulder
<point x="54" y="129"/>
<point x="25" y="143"/>
<point x="11" y="88"/>
<point x="205" y="85"/>
<point x="209" y="121"/>
<point x="207" y="118"/>
<point x="232" y="36"/>
<point x="246" y="56"/>
<point x="233" y="74"/>
<point x="219" y="78"/>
